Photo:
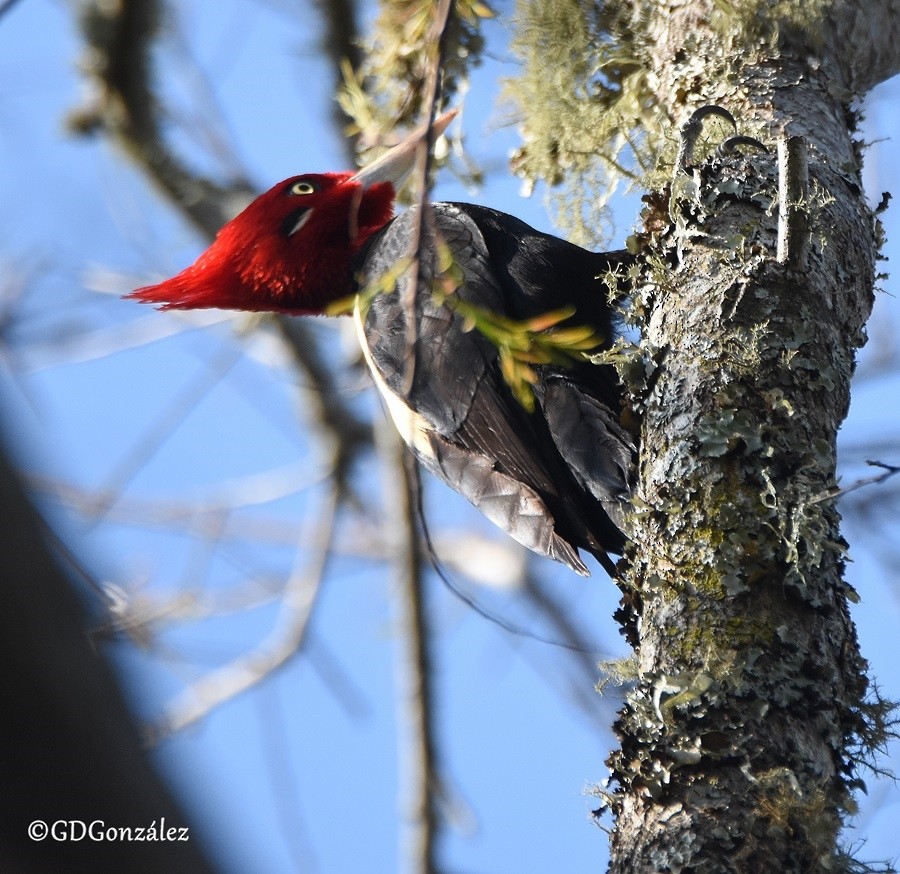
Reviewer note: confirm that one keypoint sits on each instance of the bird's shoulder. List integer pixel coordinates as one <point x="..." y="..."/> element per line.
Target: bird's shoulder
<point x="418" y="340"/>
<point x="445" y="387"/>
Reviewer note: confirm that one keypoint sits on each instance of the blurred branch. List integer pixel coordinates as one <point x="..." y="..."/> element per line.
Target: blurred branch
<point x="341" y="39"/>
<point x="341" y="43"/>
<point x="6" y="5"/>
<point x="285" y="781"/>
<point x="125" y="107"/>
<point x="583" y="650"/>
<point x="890" y="470"/>
<point x="226" y="496"/>
<point x="74" y="347"/>
<point x="877" y="509"/>
<point x="415" y="670"/>
<point x="70" y="749"/>
<point x="443" y="15"/>
<point x="333" y="420"/>
<point x="201" y="518"/>
<point x="402" y="490"/>
<point x="867" y="449"/>
<point x="285" y="640"/>
<point x="158" y="431"/>
<point x="335" y="676"/>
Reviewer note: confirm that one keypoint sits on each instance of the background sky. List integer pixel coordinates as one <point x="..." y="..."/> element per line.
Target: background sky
<point x="161" y="415"/>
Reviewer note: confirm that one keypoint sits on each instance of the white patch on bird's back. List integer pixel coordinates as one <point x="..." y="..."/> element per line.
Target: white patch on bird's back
<point x="412" y="427"/>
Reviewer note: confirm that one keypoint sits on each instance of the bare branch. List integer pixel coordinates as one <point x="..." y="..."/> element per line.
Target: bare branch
<point x="199" y="518"/>
<point x="421" y="181"/>
<point x="341" y="42"/>
<point x="285" y="780"/>
<point x="890" y="470"/>
<point x="333" y="420"/>
<point x="414" y="667"/>
<point x="126" y="108"/>
<point x="572" y="637"/>
<point x="285" y="640"/>
<point x="162" y="428"/>
<point x="91" y="345"/>
<point x="401" y="498"/>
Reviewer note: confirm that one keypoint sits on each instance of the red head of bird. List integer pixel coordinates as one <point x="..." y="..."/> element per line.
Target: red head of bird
<point x="290" y="250"/>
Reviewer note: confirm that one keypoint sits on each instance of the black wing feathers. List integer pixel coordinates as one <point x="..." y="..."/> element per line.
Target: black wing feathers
<point x="447" y="363"/>
<point x="553" y="478"/>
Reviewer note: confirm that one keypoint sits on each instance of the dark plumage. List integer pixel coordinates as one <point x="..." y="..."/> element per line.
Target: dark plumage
<point x="553" y="477"/>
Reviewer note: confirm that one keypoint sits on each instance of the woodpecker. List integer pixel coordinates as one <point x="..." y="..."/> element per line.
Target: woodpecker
<point x="553" y="473"/>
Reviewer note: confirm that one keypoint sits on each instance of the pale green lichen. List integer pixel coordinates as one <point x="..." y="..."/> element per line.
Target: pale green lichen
<point x="391" y="88"/>
<point x="584" y="108"/>
<point x="764" y="23"/>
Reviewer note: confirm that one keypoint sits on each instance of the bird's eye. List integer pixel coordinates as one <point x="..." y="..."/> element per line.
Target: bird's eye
<point x="303" y="188"/>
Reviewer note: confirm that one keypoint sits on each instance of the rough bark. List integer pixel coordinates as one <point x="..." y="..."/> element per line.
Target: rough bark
<point x="741" y="739"/>
<point x="871" y="30"/>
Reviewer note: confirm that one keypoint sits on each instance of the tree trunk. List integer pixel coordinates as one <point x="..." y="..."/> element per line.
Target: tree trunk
<point x="741" y="739"/>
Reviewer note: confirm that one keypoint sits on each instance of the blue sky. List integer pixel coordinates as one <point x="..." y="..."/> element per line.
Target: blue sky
<point x="302" y="774"/>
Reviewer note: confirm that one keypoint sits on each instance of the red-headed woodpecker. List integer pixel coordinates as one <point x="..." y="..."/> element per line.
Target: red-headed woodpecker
<point x="552" y="473"/>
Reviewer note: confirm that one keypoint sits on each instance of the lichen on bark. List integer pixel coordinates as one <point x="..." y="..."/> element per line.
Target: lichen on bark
<point x="742" y="738"/>
<point x="740" y="742"/>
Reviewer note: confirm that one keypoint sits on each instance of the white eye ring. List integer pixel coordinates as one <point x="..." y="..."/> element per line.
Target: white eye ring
<point x="303" y="188"/>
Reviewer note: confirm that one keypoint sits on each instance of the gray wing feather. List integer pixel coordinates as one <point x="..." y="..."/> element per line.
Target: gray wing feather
<point x="472" y="433"/>
<point x="447" y="362"/>
<point x="508" y="503"/>
<point x="599" y="452"/>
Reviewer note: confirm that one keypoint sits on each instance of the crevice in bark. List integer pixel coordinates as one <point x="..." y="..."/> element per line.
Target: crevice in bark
<point x="736" y="743"/>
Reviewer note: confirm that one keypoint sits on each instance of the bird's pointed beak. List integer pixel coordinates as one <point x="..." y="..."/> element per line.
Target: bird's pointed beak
<point x="395" y="165"/>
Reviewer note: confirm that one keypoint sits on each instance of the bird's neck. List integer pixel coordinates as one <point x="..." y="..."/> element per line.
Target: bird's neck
<point x="308" y="285"/>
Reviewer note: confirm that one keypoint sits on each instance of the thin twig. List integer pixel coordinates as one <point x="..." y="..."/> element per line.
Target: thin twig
<point x="58" y="349"/>
<point x="562" y="620"/>
<point x="285" y="640"/>
<point x="418" y="743"/>
<point x="401" y="488"/>
<point x="284" y="778"/>
<point x="833" y="494"/>
<point x="421" y="177"/>
<point x="182" y="516"/>
<point x="155" y="435"/>
<point x="470" y="601"/>
<point x="333" y="674"/>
